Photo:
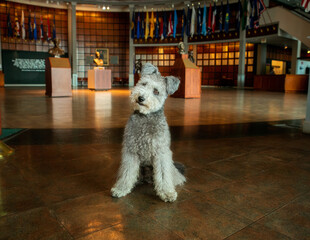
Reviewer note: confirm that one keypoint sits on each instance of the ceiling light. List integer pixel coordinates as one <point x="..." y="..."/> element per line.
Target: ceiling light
<point x="108" y="7"/>
<point x="46" y="1"/>
<point x="103" y="7"/>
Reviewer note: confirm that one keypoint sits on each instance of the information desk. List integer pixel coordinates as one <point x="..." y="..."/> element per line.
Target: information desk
<point x="281" y="83"/>
<point x="99" y="79"/>
<point x="58" y="77"/>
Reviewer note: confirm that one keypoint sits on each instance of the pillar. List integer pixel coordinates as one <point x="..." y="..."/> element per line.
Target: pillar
<point x="261" y="59"/>
<point x="72" y="41"/>
<point x="241" y="66"/>
<point x="131" y="50"/>
<point x="296" y="47"/>
<point x="306" y="126"/>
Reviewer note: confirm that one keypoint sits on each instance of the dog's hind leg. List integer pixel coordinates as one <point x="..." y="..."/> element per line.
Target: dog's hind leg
<point x="127" y="176"/>
<point x="163" y="170"/>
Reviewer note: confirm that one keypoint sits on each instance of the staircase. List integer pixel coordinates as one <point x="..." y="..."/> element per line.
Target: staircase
<point x="290" y="22"/>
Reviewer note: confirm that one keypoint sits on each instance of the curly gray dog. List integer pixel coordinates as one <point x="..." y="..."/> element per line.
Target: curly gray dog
<point x="147" y="137"/>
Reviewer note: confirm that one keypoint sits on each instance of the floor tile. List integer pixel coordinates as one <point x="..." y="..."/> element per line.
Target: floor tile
<point x="292" y="220"/>
<point x="198" y="218"/>
<point x="92" y="213"/>
<point x="247" y="200"/>
<point x="257" y="232"/>
<point x="33" y="224"/>
<point x="135" y="227"/>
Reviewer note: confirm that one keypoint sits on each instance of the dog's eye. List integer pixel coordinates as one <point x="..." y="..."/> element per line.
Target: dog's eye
<point x="144" y="84"/>
<point x="155" y="91"/>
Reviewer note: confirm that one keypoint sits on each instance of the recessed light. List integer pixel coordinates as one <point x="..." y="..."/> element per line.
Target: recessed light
<point x="103" y="7"/>
<point x="108" y="7"/>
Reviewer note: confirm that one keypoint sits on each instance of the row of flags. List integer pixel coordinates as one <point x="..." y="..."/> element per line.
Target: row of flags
<point x="305" y="4"/>
<point x="197" y="21"/>
<point x="34" y="32"/>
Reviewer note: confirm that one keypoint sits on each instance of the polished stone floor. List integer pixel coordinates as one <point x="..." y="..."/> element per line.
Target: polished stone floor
<point x="247" y="168"/>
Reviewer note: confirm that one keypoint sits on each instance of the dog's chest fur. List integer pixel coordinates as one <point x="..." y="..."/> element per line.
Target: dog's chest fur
<point x="147" y="134"/>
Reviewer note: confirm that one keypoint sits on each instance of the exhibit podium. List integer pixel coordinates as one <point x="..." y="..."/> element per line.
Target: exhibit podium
<point x="99" y="79"/>
<point x="189" y="75"/>
<point x="58" y="77"/>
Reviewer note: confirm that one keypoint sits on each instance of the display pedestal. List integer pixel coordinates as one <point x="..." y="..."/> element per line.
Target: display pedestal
<point x="190" y="77"/>
<point x="99" y="79"/>
<point x="58" y="77"/>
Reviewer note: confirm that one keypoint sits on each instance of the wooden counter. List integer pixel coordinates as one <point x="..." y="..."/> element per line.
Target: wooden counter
<point x="281" y="83"/>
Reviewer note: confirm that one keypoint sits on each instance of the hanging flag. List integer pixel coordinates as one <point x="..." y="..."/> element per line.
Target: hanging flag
<point x="244" y="14"/>
<point x="210" y="19"/>
<point x="132" y="27"/>
<point x="183" y="23"/>
<point x="147" y="30"/>
<point x="199" y="21"/>
<point x="193" y="16"/>
<point x="256" y="16"/>
<point x="188" y="22"/>
<point x="138" y="26"/>
<point x="35" y="32"/>
<point x="23" y="25"/>
<point x="175" y="23"/>
<point x="9" y="24"/>
<point x="157" y="26"/>
<point x="17" y="26"/>
<point x="227" y="18"/>
<point x="204" y="21"/>
<point x="165" y="25"/>
<point x="252" y="15"/>
<point x="238" y="16"/>
<point x="161" y="28"/>
<point x="142" y="30"/>
<point x="214" y="18"/>
<point x="221" y="16"/>
<point x="30" y="36"/>
<point x="49" y="37"/>
<point x="249" y="14"/>
<point x="152" y="25"/>
<point x="306" y="5"/>
<point x="54" y="29"/>
<point x="41" y="28"/>
<point x="261" y="7"/>
<point x="170" y="26"/>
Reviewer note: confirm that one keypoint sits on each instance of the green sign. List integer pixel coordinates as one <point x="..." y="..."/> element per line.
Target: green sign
<point x="22" y="67"/>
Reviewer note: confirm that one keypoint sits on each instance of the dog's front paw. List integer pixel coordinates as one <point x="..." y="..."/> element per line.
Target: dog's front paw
<point x="168" y="196"/>
<point x="117" y="193"/>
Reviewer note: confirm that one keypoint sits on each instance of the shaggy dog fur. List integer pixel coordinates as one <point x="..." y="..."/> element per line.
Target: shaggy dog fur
<point x="147" y="137"/>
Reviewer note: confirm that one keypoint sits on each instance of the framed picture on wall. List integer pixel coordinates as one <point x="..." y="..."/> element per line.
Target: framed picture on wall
<point x="104" y="55"/>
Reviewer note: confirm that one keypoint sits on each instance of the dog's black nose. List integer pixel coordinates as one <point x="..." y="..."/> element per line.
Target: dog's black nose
<point x="141" y="99"/>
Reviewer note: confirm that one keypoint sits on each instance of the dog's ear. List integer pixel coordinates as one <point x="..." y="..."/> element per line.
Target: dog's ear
<point x="149" y="69"/>
<point x="172" y="84"/>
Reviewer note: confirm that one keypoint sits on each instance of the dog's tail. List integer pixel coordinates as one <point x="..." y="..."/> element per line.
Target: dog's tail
<point x="180" y="167"/>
